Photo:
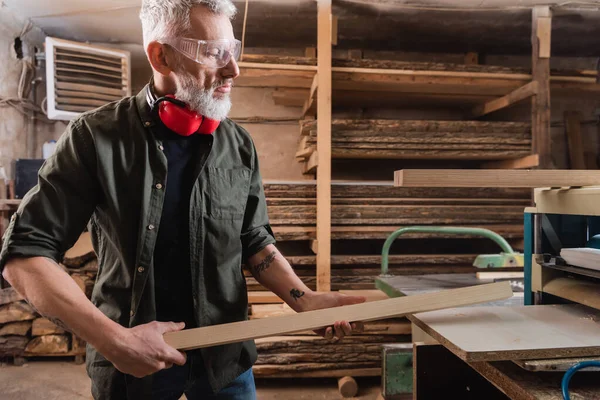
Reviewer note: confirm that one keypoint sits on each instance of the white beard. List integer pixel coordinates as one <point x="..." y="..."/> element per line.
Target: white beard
<point x="201" y="100"/>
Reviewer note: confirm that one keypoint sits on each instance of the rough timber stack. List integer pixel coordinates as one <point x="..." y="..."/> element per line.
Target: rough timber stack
<point x="370" y="212"/>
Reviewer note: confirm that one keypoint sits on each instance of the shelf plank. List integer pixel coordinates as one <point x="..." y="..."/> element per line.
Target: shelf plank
<point x="495" y="178"/>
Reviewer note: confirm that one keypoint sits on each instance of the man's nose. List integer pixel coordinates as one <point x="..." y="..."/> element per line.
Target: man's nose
<point x="231" y="70"/>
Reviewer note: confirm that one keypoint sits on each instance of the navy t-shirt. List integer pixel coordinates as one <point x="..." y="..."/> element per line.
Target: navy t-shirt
<point x="172" y="267"/>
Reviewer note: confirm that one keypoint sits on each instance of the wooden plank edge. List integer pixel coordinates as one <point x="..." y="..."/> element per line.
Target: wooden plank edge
<point x="246" y="330"/>
<point x="531" y="161"/>
<point x="517" y="95"/>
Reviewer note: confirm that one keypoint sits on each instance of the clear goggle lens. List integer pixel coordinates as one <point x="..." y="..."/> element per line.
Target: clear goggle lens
<point x="212" y="53"/>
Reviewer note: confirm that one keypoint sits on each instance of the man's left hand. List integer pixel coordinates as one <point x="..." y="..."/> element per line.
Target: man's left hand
<point x="319" y="300"/>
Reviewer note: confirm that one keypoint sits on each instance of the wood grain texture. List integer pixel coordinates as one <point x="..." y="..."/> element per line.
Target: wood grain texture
<point x="576" y="290"/>
<point x="540" y="116"/>
<point x="49" y="344"/>
<point x="15" y="328"/>
<point x="495" y="178"/>
<point x="324" y="110"/>
<point x="574" y="201"/>
<point x="81" y="252"/>
<point x="318" y="370"/>
<point x="247" y="330"/>
<point x="526" y="385"/>
<point x="19" y="311"/>
<point x="42" y="326"/>
<point x="9" y="295"/>
<point x="514" y="333"/>
<point x="513" y="97"/>
<point x="531" y="161"/>
<point x="383" y="232"/>
<point x="574" y="140"/>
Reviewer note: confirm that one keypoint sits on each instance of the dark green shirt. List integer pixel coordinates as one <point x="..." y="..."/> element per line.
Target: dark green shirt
<point x="109" y="170"/>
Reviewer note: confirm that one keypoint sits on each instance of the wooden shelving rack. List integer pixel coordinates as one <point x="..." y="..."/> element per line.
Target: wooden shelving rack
<point x="478" y="89"/>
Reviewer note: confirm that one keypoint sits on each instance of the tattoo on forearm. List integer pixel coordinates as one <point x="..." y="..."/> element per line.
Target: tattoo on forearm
<point x="296" y="294"/>
<point x="55" y="321"/>
<point x="264" y="264"/>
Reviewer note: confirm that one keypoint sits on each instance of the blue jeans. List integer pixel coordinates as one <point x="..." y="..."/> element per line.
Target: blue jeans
<point x="191" y="379"/>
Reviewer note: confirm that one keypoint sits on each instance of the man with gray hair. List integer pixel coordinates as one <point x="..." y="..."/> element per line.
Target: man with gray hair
<point x="172" y="194"/>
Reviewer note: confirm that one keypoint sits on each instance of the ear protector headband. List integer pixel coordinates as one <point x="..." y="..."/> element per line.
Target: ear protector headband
<point x="177" y="116"/>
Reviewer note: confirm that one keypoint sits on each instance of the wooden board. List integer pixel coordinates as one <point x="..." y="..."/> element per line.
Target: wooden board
<point x="526" y="385"/>
<point x="514" y="333"/>
<point x="513" y="97"/>
<point x="495" y="178"/>
<point x="16" y="312"/>
<point x="49" y="344"/>
<point x="42" y="326"/>
<point x="9" y="295"/>
<point x="292" y="233"/>
<point x="580" y="201"/>
<point x="519" y="163"/>
<point x="247" y="330"/>
<point x="560" y="364"/>
<point x="15" y="328"/>
<point x="574" y="140"/>
<point x="316" y="370"/>
<point x="81" y="252"/>
<point x="324" y="110"/>
<point x="540" y="110"/>
<point x="582" y="257"/>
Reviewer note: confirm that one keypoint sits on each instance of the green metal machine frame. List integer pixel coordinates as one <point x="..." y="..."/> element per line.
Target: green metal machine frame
<point x="397" y="360"/>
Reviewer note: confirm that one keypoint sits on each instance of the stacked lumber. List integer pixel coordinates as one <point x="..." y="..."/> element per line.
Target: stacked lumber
<point x="409" y="65"/>
<point x="305" y="354"/>
<point x="398" y="139"/>
<point x="25" y="333"/>
<point x="372" y="211"/>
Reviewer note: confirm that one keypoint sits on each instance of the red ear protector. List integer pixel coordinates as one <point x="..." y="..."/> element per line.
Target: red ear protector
<point x="178" y="117"/>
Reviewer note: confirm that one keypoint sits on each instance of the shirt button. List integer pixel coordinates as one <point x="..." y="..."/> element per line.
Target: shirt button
<point x="158" y="186"/>
<point x="147" y="123"/>
<point x="161" y="147"/>
<point x="151" y="227"/>
<point x="141" y="269"/>
<point x="131" y="313"/>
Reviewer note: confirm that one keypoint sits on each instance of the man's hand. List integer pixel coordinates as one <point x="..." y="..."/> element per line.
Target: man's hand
<point x="317" y="301"/>
<point x="142" y="351"/>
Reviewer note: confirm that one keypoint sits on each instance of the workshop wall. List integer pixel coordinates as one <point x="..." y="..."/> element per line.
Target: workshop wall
<point x="17" y="129"/>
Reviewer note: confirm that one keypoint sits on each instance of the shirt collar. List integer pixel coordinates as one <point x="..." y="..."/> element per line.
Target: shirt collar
<point x="144" y="107"/>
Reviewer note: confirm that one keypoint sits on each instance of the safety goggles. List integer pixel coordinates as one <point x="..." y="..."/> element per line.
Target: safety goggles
<point x="211" y="53"/>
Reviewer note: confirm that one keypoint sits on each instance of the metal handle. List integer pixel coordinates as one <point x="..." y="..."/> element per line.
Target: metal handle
<point x="486" y="233"/>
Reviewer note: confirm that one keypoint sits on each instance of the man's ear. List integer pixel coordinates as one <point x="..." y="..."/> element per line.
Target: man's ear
<point x="158" y="58"/>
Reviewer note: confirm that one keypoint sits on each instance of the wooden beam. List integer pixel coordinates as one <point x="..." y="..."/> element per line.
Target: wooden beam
<point x="574" y="139"/>
<point x="324" y="110"/>
<point x="581" y="201"/>
<point x="522" y="93"/>
<point x="310" y="52"/>
<point x="263" y="298"/>
<point x="310" y="167"/>
<point x="246" y="330"/>
<point x="472" y="58"/>
<point x="518" y="163"/>
<point x="495" y="178"/>
<point x="334" y="30"/>
<point x="540" y="116"/>
<point x="544" y="35"/>
<point x="310" y="105"/>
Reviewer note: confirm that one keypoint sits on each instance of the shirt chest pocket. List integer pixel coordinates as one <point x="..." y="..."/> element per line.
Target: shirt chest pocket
<point x="228" y="190"/>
